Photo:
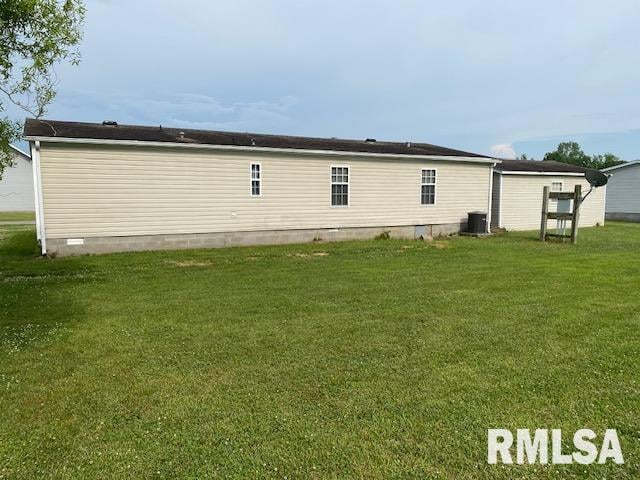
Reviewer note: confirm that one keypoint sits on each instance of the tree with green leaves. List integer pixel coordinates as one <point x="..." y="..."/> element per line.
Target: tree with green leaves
<point x="570" y="152"/>
<point x="605" y="161"/>
<point x="35" y="35"/>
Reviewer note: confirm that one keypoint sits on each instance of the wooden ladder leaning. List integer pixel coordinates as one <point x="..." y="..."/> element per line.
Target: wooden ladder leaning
<point x="574" y="215"/>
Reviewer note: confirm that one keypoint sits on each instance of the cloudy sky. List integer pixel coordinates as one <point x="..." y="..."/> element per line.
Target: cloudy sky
<point x="491" y="76"/>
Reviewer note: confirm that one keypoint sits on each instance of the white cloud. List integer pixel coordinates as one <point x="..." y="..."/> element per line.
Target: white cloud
<point x="314" y="68"/>
<point x="186" y="110"/>
<point x="503" y="150"/>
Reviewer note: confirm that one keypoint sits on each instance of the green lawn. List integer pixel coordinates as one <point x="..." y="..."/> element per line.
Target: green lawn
<point x="17" y="216"/>
<point x="380" y="359"/>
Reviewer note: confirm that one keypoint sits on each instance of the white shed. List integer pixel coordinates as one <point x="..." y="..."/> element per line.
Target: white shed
<point x="16" y="186"/>
<point x="517" y="193"/>
<point x="623" y="192"/>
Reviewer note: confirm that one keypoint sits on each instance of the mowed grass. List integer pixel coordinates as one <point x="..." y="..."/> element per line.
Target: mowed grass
<point x="380" y="359"/>
<point x="17" y="217"/>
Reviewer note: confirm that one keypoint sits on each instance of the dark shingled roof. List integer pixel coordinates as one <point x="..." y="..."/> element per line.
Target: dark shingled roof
<point x="538" y="166"/>
<point x="77" y="130"/>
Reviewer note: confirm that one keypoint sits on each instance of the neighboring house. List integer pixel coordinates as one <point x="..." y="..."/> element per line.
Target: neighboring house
<point x="623" y="192"/>
<point x="16" y="186"/>
<point x="517" y="193"/>
<point x="108" y="187"/>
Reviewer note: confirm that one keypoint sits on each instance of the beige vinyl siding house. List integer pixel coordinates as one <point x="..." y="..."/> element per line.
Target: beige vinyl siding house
<point x="16" y="186"/>
<point x="623" y="192"/>
<point x="101" y="195"/>
<point x="518" y="189"/>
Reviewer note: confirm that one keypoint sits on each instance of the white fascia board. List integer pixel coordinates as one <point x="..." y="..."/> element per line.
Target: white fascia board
<point x="622" y="165"/>
<point x="232" y="148"/>
<point x="24" y="154"/>
<point x="549" y="174"/>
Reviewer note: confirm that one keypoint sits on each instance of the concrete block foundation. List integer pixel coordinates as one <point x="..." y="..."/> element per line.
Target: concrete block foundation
<point x="137" y="243"/>
<point x="623" y="217"/>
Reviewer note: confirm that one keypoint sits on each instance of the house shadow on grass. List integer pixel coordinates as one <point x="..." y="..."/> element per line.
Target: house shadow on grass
<point x="34" y="292"/>
<point x="18" y="243"/>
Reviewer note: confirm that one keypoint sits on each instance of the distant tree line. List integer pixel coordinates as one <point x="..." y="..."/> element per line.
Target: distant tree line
<point x="570" y="152"/>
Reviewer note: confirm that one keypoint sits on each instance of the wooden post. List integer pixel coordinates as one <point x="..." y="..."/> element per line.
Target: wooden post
<point x="545" y="211"/>
<point x="577" y="200"/>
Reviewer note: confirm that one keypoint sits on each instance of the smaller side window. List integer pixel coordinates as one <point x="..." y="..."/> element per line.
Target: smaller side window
<point x="256" y="180"/>
<point x="556" y="187"/>
<point x="428" y="187"/>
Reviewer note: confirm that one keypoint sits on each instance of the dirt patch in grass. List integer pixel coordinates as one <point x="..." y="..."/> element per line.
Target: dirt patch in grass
<point x="307" y="255"/>
<point x="191" y="263"/>
<point x="439" y="245"/>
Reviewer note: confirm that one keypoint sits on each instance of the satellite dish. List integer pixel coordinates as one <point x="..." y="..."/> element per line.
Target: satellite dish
<point x="596" y="179"/>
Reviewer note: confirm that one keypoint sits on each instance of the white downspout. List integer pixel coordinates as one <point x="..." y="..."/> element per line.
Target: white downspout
<point x="490" y="198"/>
<point x="604" y="207"/>
<point x="36" y="194"/>
<point x="40" y="206"/>
<point x="500" y="204"/>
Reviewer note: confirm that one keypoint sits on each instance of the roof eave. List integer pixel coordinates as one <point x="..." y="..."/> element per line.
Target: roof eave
<point x="622" y="165"/>
<point x="336" y="153"/>
<point x="17" y="150"/>
<point x="550" y="174"/>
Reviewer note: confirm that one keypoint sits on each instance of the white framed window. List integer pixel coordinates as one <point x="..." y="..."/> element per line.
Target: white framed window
<point x="428" y="186"/>
<point x="339" y="186"/>
<point x="556" y="187"/>
<point x="256" y="180"/>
